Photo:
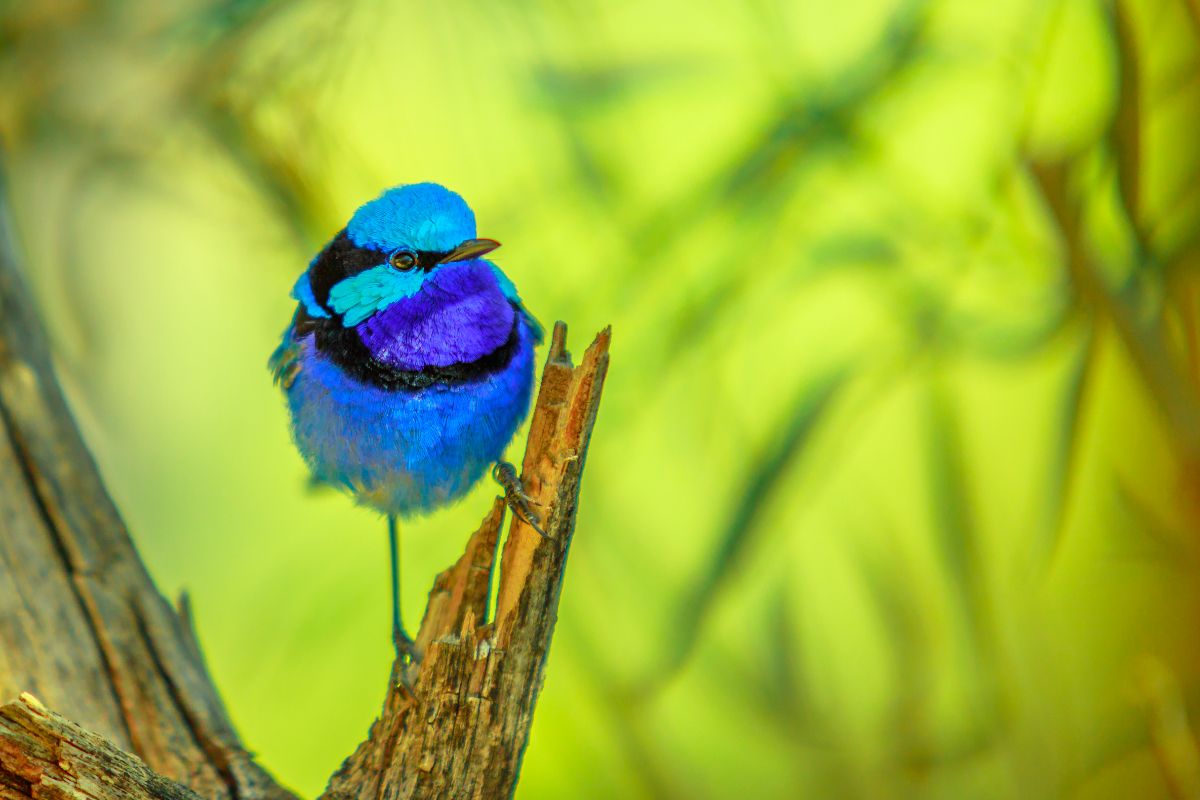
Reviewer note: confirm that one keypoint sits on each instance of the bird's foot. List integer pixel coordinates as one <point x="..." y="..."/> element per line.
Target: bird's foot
<point x="406" y="648"/>
<point x="506" y="475"/>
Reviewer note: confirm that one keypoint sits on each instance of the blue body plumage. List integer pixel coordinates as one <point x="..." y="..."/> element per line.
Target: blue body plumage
<point x="404" y="452"/>
<point x="408" y="365"/>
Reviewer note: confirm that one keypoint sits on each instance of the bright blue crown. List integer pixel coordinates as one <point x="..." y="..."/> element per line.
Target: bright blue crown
<point x="416" y="216"/>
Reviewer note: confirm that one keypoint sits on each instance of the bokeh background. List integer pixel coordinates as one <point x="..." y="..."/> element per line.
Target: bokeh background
<point x="895" y="490"/>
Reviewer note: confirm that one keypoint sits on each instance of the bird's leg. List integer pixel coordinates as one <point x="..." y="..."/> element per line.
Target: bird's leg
<point x="506" y="475"/>
<point x="404" y="645"/>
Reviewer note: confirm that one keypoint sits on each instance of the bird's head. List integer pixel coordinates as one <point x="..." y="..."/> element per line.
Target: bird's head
<point x="390" y="249"/>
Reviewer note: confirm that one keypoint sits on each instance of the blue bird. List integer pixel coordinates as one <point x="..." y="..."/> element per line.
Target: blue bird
<point x="408" y="365"/>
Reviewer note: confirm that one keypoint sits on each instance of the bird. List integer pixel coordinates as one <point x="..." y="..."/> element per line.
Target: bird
<point x="408" y="365"/>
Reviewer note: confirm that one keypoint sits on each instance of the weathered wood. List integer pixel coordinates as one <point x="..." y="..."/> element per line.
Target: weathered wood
<point x="43" y="755"/>
<point x="83" y="628"/>
<point x="455" y="725"/>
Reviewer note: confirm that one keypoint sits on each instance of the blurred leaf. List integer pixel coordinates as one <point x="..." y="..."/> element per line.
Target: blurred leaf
<point x="910" y="738"/>
<point x="763" y="479"/>
<point x="1127" y="125"/>
<point x="1062" y="467"/>
<point x="772" y="680"/>
<point x="1151" y="535"/>
<point x="955" y="529"/>
<point x="225" y="19"/>
<point x="803" y="126"/>
<point x="577" y="90"/>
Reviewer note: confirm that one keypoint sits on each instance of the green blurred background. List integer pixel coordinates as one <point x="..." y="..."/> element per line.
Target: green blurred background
<point x="895" y="490"/>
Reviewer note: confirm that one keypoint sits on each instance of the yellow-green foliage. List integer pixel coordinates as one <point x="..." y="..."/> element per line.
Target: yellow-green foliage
<point x="896" y="487"/>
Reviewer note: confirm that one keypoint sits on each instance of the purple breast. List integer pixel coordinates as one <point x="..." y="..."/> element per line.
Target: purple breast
<point x="458" y="316"/>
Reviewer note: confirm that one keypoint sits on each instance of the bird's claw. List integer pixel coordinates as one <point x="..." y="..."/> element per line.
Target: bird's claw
<point x="506" y="475"/>
<point x="406" y="648"/>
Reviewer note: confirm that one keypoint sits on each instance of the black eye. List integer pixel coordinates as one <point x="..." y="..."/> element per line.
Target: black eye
<point x="403" y="259"/>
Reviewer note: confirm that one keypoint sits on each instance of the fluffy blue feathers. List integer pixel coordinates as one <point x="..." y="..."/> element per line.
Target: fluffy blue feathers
<point x="407" y="452"/>
<point x="417" y="216"/>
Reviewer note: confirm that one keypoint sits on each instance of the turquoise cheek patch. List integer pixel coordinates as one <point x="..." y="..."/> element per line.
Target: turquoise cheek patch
<point x="358" y="297"/>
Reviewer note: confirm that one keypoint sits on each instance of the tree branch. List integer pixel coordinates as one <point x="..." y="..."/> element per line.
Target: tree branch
<point x="44" y="755"/>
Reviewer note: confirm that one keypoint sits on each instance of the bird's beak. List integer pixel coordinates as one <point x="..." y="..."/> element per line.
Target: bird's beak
<point x="471" y="248"/>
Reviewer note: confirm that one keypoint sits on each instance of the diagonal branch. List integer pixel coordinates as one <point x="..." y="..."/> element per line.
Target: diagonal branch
<point x="44" y="755"/>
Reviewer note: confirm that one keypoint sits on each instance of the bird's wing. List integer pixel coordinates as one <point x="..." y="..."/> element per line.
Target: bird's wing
<point x="535" y="327"/>
<point x="510" y="292"/>
<point x="285" y="361"/>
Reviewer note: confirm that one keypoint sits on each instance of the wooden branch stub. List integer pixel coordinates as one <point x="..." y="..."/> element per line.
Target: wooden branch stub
<point x="43" y="755"/>
<point x="455" y="725"/>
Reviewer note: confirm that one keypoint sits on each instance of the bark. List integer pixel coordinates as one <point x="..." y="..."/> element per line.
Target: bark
<point x="84" y="630"/>
<point x="45" y="755"/>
